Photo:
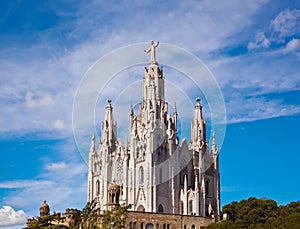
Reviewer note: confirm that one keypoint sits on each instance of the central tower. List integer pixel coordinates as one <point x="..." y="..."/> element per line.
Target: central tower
<point x="153" y="140"/>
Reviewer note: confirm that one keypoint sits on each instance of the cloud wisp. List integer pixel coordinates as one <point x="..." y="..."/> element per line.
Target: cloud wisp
<point x="67" y="179"/>
<point x="40" y="97"/>
<point x="286" y="23"/>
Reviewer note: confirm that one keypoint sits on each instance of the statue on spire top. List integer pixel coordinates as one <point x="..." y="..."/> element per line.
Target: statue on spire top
<point x="152" y="50"/>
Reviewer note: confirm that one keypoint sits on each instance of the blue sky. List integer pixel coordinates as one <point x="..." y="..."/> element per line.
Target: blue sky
<point x="251" y="47"/>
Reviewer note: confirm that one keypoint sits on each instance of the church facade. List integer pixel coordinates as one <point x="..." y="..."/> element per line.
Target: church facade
<point x="154" y="171"/>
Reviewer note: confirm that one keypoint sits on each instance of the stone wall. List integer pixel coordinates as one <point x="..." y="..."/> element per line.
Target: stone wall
<point x="148" y="220"/>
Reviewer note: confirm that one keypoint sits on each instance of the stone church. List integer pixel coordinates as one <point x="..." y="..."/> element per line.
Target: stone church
<point x="153" y="170"/>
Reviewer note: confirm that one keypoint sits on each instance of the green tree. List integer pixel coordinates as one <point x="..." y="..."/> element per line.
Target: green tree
<point x="258" y="214"/>
<point x="89" y="216"/>
<point x="115" y="218"/>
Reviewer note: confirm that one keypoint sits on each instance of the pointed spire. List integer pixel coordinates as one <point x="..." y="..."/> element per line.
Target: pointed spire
<point x="185" y="183"/>
<point x="93" y="148"/>
<point x="175" y="119"/>
<point x="131" y="110"/>
<point x="198" y="126"/>
<point x="109" y="126"/>
<point x="175" y="108"/>
<point x="91" y="161"/>
<point x="198" y="110"/>
<point x="108" y="112"/>
<point x="214" y="146"/>
<point x="214" y="138"/>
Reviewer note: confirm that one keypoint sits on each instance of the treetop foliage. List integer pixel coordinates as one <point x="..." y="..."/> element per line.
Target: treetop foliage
<point x="259" y="214"/>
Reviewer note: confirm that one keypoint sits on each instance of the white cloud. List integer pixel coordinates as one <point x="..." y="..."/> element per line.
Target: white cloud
<point x="23" y="183"/>
<point x="258" y="108"/>
<point x="292" y="45"/>
<point x="255" y="84"/>
<point x="56" y="184"/>
<point x="31" y="102"/>
<point x="286" y="23"/>
<point x="56" y="166"/>
<point x="261" y="41"/>
<point x="59" y="124"/>
<point x="284" y="26"/>
<point x="51" y="81"/>
<point x="29" y="105"/>
<point x="205" y="27"/>
<point x="11" y="217"/>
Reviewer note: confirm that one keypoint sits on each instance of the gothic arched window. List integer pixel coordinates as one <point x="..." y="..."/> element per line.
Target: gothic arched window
<point x="160" y="208"/>
<point x="97" y="187"/>
<point x="160" y="175"/>
<point x="141" y="208"/>
<point x="141" y="175"/>
<point x="191" y="207"/>
<point x="206" y="187"/>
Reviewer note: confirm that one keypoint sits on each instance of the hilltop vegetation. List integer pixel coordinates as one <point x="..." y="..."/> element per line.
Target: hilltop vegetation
<point x="247" y="214"/>
<point x="259" y="214"/>
<point x="114" y="218"/>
